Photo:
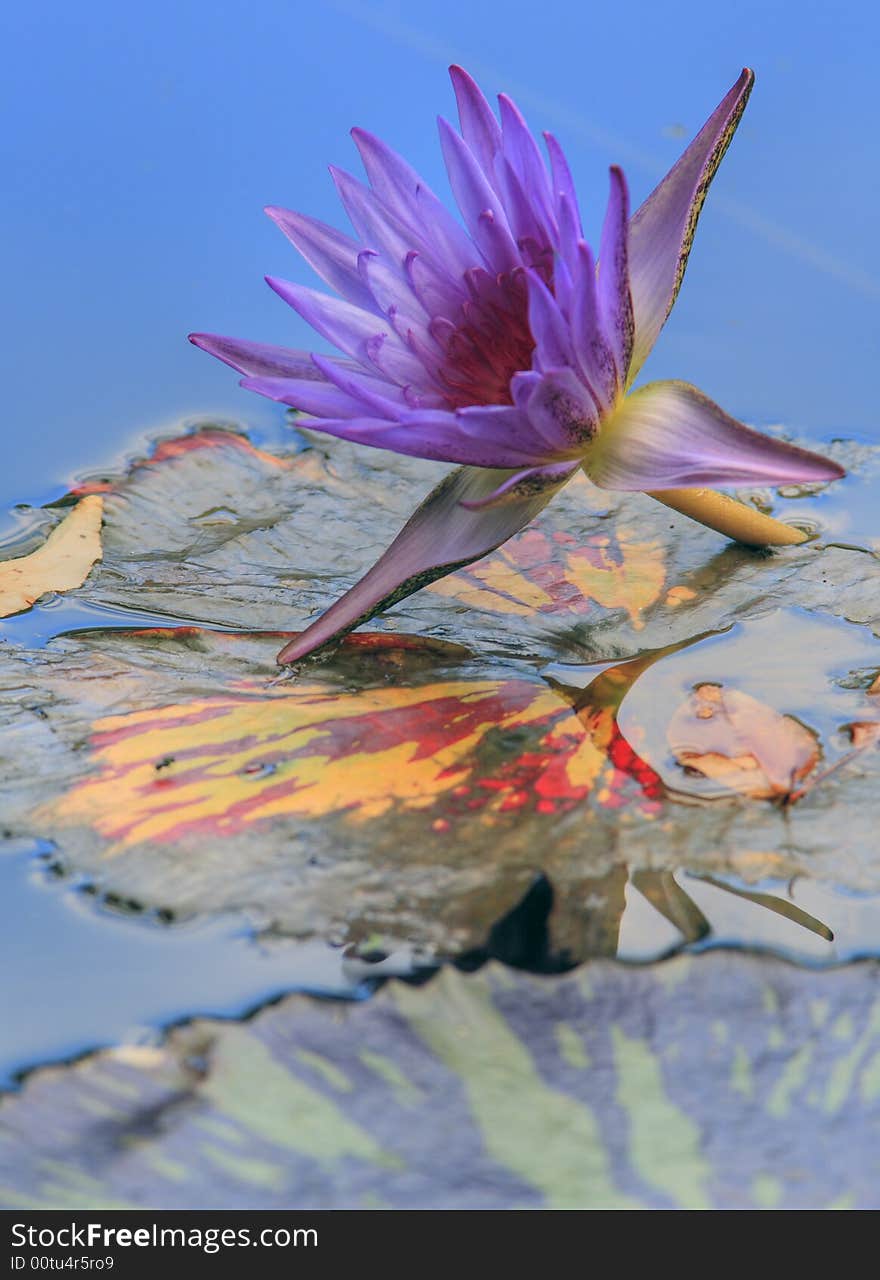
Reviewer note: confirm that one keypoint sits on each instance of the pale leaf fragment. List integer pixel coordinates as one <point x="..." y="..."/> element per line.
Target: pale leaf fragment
<point x="863" y="733"/>
<point x="741" y="743"/>
<point x="62" y="563"/>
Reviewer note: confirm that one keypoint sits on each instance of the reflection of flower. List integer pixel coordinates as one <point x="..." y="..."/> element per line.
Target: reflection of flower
<point x="499" y="345"/>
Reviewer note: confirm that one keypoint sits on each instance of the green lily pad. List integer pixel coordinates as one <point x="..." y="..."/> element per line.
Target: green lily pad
<point x="715" y="1081"/>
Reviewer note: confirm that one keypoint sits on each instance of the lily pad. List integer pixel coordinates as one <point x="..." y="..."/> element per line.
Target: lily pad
<point x="715" y="1081"/>
<point x="503" y="768"/>
<point x="214" y="531"/>
<point x="408" y="788"/>
<point x="410" y="791"/>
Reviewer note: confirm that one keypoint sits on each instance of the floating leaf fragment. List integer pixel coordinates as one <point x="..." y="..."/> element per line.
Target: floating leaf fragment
<point x="741" y="743"/>
<point x="61" y="564"/>
<point x="863" y="733"/>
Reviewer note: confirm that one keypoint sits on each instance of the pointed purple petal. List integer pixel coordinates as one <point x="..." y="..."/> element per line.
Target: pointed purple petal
<point x="379" y="228"/>
<point x="392" y="296"/>
<point x="662" y="230"/>
<point x="320" y="398"/>
<point x="258" y="359"/>
<point x="411" y="200"/>
<point x="479" y="127"/>
<point x="525" y="224"/>
<point x="553" y="346"/>
<point x="438" y="294"/>
<point x="615" y="300"/>
<point x="593" y="353"/>
<point x="562" y="181"/>
<point x="506" y="428"/>
<point x="440" y="537"/>
<point x="332" y="254"/>
<point x="668" y="435"/>
<point x="524" y="484"/>
<point x="475" y="197"/>
<point x="490" y="436"/>
<point x="570" y="234"/>
<point x="562" y="411"/>
<point x="361" y="334"/>
<point x="524" y="154"/>
<point x="377" y="398"/>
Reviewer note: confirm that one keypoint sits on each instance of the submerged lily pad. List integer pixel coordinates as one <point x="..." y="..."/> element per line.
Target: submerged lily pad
<point x="705" y="1082"/>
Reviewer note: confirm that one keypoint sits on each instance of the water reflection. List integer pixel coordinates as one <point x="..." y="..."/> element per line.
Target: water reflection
<point x="641" y="915"/>
<point x="842" y="514"/>
<point x="92" y="970"/>
<point x="764" y="710"/>
<point x="412" y="790"/>
<point x="84" y="970"/>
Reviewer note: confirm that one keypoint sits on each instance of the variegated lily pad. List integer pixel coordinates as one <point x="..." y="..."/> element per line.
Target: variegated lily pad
<point x="509" y="765"/>
<point x="212" y="530"/>
<point x="410" y="786"/>
<point x="713" y="1081"/>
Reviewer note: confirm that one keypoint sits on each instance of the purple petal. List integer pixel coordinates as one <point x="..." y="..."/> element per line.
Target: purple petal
<point x="593" y="353"/>
<point x="491" y="436"/>
<point x="553" y="345"/>
<point x="475" y="197"/>
<point x="524" y="484"/>
<point x="439" y="538"/>
<point x="562" y="181"/>
<point x="378" y="398"/>
<point x="379" y="228"/>
<point x="562" y="411"/>
<point x="392" y="296"/>
<point x="524" y="154"/>
<point x="384" y="353"/>
<point x="521" y="215"/>
<point x="497" y="244"/>
<point x="615" y="300"/>
<point x="437" y="293"/>
<point x="320" y="398"/>
<point x="570" y="234"/>
<point x="563" y="289"/>
<point x="668" y="435"/>
<point x="257" y="359"/>
<point x="662" y="230"/>
<point x="332" y="254"/>
<point x="479" y="127"/>
<point x="358" y="333"/>
<point x="411" y="200"/>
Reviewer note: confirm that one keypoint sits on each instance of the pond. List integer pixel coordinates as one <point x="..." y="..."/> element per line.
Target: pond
<point x="586" y="824"/>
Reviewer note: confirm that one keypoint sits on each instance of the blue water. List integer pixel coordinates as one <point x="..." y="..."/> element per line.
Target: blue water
<point x="80" y="974"/>
<point x="142" y="142"/>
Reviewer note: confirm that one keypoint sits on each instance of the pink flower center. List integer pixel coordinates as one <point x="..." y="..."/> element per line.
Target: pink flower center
<point x="491" y="341"/>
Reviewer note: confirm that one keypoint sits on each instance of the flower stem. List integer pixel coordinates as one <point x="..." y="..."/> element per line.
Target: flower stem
<point x="734" y="519"/>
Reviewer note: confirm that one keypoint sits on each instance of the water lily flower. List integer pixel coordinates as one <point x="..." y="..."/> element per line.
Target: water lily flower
<point x="500" y="342"/>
